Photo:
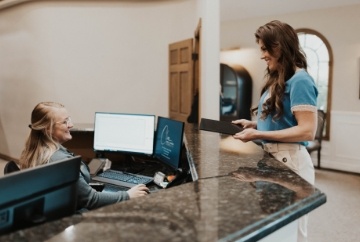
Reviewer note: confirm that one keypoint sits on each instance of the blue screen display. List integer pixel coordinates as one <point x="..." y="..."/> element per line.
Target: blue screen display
<point x="168" y="141"/>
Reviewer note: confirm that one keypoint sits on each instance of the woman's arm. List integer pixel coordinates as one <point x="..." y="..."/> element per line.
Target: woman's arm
<point x="89" y="198"/>
<point x="304" y="131"/>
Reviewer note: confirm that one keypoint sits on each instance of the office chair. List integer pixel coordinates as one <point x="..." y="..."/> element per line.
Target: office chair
<point x="11" y="166"/>
<point x="316" y="144"/>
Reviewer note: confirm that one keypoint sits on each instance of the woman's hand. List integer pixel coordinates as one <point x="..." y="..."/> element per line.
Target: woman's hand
<point x="138" y="191"/>
<point x="246" y="135"/>
<point x="249" y="132"/>
<point x="245" y="123"/>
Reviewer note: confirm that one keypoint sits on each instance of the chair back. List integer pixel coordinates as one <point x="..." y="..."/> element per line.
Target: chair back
<point x="320" y="125"/>
<point x="11" y="166"/>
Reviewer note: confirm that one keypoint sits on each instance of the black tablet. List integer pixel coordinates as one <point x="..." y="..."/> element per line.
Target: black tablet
<point x="223" y="127"/>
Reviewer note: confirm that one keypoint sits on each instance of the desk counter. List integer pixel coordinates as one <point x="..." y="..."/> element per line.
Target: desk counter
<point x="241" y="194"/>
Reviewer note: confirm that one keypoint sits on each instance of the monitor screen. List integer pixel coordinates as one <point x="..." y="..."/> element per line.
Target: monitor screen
<point x="40" y="194"/>
<point x="119" y="132"/>
<point x="169" y="141"/>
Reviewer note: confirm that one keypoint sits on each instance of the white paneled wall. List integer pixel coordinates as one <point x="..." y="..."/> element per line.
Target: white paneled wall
<point x="342" y="152"/>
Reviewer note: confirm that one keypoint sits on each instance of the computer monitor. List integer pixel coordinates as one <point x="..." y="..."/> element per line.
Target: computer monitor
<point x="121" y="132"/>
<point x="169" y="141"/>
<point x="40" y="194"/>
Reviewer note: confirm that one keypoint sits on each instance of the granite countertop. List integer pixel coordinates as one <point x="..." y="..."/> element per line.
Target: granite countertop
<point x="241" y="194"/>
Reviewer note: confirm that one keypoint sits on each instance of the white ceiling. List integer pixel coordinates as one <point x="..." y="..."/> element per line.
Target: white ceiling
<point x="241" y="9"/>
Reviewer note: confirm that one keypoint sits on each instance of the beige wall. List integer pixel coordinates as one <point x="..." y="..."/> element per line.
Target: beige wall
<point x="338" y="25"/>
<point x="91" y="56"/>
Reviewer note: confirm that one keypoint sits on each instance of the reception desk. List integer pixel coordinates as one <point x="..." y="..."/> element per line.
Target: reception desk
<point x="238" y="193"/>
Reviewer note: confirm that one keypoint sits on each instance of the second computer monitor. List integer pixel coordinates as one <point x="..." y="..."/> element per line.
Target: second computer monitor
<point x="169" y="141"/>
<point x="120" y="132"/>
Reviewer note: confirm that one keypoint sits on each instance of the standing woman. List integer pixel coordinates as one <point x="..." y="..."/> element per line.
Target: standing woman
<point x="50" y="128"/>
<point x="287" y="111"/>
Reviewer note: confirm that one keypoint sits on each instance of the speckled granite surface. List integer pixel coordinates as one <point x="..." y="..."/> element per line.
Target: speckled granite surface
<point x="241" y="194"/>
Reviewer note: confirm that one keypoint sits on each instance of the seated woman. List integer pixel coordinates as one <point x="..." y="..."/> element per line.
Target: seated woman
<point x="50" y="128"/>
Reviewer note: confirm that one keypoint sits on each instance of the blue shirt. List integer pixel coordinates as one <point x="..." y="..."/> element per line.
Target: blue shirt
<point x="300" y="95"/>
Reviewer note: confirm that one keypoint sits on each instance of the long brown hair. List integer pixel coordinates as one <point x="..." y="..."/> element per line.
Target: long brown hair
<point x="40" y="145"/>
<point x="279" y="37"/>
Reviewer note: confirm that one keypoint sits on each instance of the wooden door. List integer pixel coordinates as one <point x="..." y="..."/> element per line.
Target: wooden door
<point x="181" y="85"/>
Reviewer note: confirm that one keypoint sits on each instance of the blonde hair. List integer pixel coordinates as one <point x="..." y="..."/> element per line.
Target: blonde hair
<point x="40" y="145"/>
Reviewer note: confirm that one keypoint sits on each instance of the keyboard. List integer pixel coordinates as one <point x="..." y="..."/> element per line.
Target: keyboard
<point x="120" y="178"/>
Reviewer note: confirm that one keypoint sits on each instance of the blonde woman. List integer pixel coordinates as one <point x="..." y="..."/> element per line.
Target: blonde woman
<point x="50" y="128"/>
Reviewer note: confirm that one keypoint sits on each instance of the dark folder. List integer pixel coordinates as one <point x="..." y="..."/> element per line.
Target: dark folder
<point x="223" y="127"/>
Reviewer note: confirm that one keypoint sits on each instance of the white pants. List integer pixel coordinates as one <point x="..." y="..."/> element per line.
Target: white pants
<point x="298" y="159"/>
